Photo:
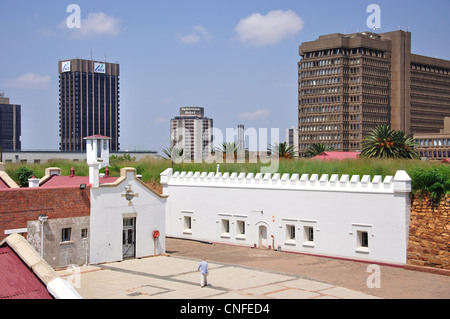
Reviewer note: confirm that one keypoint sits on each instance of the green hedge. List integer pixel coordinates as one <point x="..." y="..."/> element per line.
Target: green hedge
<point x="432" y="177"/>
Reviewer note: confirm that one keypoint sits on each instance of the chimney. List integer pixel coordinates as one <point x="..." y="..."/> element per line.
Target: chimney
<point x="97" y="156"/>
<point x="33" y="182"/>
<point x="72" y="172"/>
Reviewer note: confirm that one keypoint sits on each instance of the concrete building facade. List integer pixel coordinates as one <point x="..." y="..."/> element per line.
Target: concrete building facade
<point x="10" y="125"/>
<point x="350" y="84"/>
<point x="192" y="132"/>
<point x="435" y="146"/>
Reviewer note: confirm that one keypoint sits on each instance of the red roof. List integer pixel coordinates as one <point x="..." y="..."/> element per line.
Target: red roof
<point x="328" y="156"/>
<point x="17" y="280"/>
<point x="3" y="185"/>
<point x="73" y="181"/>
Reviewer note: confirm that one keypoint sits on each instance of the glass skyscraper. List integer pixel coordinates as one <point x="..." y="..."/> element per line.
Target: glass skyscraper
<point x="10" y="125"/>
<point x="88" y="103"/>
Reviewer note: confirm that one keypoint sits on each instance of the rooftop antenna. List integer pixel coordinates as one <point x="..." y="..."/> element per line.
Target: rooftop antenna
<point x="91" y="55"/>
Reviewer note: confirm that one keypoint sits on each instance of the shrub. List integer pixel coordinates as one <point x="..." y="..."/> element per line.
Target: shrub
<point x="431" y="181"/>
<point x="23" y="174"/>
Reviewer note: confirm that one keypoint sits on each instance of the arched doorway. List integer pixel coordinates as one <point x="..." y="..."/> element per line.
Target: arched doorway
<point x="262" y="236"/>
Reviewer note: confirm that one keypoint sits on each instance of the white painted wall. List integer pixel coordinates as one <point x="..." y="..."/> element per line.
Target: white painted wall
<point x="109" y="208"/>
<point x="336" y="208"/>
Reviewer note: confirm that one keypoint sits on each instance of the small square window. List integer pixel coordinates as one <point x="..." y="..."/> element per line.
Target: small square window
<point x="225" y="226"/>
<point x="241" y="227"/>
<point x="66" y="235"/>
<point x="187" y="223"/>
<point x="309" y="233"/>
<point x="290" y="232"/>
<point x="363" y="239"/>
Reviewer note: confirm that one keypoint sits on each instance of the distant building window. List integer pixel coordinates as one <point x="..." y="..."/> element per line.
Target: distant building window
<point x="66" y="235"/>
<point x="84" y="233"/>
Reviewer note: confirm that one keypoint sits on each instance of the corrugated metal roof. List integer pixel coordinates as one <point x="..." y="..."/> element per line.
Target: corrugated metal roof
<point x="17" y="281"/>
<point x="337" y="155"/>
<point x="73" y="181"/>
<point x="3" y="185"/>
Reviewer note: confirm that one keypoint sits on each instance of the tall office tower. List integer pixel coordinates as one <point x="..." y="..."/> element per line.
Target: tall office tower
<point x="89" y="103"/>
<point x="350" y="84"/>
<point x="10" y="125"/>
<point x="292" y="139"/>
<point x="192" y="132"/>
<point x="240" y="138"/>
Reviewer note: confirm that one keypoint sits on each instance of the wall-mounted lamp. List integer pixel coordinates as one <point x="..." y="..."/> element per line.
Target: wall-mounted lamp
<point x="129" y="194"/>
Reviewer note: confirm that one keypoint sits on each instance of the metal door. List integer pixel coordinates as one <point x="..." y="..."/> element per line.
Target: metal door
<point x="263" y="237"/>
<point x="129" y="237"/>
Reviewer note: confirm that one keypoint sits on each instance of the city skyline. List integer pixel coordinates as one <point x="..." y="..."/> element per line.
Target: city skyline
<point x="219" y="56"/>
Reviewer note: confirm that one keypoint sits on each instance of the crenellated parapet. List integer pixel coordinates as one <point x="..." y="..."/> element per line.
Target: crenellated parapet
<point x="400" y="183"/>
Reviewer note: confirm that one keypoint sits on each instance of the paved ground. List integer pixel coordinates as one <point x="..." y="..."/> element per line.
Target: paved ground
<point x="241" y="273"/>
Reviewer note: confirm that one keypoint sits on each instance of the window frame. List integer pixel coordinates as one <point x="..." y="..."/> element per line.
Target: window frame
<point x="64" y="238"/>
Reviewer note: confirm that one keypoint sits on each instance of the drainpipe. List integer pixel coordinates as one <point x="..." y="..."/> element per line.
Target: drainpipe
<point x="42" y="219"/>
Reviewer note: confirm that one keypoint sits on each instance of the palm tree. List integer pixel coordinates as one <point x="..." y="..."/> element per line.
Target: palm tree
<point x="317" y="149"/>
<point x="382" y="142"/>
<point x="229" y="150"/>
<point x="282" y="149"/>
<point x="172" y="152"/>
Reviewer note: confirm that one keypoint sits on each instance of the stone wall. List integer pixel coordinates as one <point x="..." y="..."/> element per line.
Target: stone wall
<point x="429" y="238"/>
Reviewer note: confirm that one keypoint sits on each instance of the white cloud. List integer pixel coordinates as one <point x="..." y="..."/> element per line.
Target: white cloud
<point x="268" y="29"/>
<point x="96" y="24"/>
<point x="29" y="81"/>
<point x="258" y="114"/>
<point x="199" y="33"/>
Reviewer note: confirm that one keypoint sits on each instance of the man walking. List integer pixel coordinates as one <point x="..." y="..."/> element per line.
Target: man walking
<point x="203" y="268"/>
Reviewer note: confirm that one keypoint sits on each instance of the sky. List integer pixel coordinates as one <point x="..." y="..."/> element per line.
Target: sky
<point x="237" y="59"/>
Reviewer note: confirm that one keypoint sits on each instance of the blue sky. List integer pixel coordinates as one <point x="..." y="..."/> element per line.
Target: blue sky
<point x="237" y="59"/>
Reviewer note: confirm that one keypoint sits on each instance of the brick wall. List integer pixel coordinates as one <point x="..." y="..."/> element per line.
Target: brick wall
<point x="429" y="239"/>
<point x="17" y="207"/>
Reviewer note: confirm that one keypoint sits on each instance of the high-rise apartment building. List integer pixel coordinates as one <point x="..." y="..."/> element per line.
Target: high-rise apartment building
<point x="89" y="103"/>
<point x="10" y="125"/>
<point x="192" y="132"/>
<point x="292" y="139"/>
<point x="350" y="84"/>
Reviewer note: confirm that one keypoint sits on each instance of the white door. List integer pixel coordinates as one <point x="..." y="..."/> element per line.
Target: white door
<point x="263" y="243"/>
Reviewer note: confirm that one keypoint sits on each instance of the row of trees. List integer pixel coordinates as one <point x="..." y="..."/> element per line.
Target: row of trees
<point x="382" y="142"/>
